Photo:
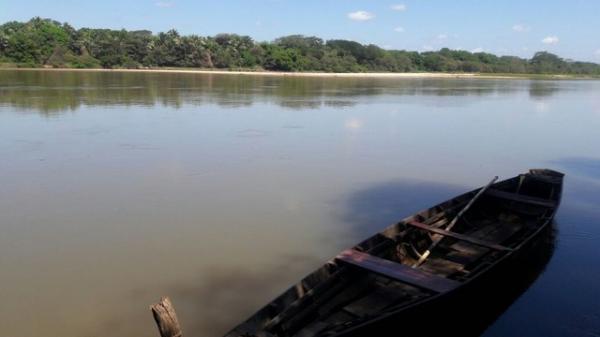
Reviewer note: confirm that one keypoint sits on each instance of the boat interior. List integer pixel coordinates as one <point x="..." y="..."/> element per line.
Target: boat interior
<point x="387" y="273"/>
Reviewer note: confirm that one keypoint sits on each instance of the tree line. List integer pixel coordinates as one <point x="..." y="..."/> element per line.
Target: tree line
<point x="45" y="42"/>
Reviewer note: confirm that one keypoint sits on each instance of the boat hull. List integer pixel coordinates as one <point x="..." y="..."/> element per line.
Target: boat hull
<point x="470" y="309"/>
<point x="388" y="285"/>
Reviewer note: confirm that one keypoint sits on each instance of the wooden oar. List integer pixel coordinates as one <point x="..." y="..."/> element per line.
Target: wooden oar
<point x="454" y="221"/>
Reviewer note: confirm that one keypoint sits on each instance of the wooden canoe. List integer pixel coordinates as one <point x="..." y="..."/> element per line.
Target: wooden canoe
<point x="376" y="285"/>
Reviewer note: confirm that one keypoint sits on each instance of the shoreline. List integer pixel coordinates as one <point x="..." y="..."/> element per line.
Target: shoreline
<point x="312" y="74"/>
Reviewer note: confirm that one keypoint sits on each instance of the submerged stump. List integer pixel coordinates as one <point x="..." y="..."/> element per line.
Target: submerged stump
<point x="166" y="319"/>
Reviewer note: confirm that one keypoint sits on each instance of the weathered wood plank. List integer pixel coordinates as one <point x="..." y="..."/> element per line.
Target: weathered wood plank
<point x="374" y="301"/>
<point x="436" y="241"/>
<point x="398" y="271"/>
<point x="328" y="287"/>
<point x="521" y="198"/>
<point x="166" y="319"/>
<point x="459" y="236"/>
<point x="539" y="175"/>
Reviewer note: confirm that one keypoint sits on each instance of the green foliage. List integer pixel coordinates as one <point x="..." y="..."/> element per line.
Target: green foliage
<point x="546" y="63"/>
<point x="44" y="42"/>
<point x="32" y="42"/>
<point x="283" y="59"/>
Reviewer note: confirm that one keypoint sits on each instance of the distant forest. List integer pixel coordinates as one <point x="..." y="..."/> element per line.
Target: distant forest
<point x="44" y="42"/>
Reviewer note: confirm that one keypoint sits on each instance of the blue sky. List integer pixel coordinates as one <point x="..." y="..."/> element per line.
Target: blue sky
<point x="568" y="28"/>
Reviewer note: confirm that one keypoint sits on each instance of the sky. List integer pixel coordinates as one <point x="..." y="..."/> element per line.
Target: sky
<point x="507" y="27"/>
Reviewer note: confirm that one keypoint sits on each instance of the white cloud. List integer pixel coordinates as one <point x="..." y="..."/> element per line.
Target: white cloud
<point x="427" y="48"/>
<point x="521" y="28"/>
<point x="597" y="53"/>
<point x="442" y="36"/>
<point x="550" y="40"/>
<point x="399" y="29"/>
<point x="399" y="7"/>
<point x="361" y="16"/>
<point x="477" y="50"/>
<point x="164" y="4"/>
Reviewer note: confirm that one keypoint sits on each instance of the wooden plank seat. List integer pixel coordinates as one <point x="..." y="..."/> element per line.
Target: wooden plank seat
<point x="555" y="180"/>
<point x="521" y="198"/>
<point x="397" y="271"/>
<point x="497" y="231"/>
<point x="458" y="236"/>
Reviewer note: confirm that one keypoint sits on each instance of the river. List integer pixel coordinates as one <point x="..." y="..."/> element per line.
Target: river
<point x="222" y="190"/>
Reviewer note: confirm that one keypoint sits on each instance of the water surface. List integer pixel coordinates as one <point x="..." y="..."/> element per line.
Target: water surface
<point x="221" y="190"/>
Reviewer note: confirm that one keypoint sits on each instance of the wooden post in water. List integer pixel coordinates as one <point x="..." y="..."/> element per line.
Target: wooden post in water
<point x="166" y="319"/>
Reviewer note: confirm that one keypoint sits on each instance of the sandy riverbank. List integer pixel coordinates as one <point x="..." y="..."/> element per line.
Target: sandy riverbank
<point x="307" y="74"/>
<point x="262" y="73"/>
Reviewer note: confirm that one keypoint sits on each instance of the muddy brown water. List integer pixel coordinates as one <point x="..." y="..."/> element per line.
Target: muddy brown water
<point x="221" y="190"/>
